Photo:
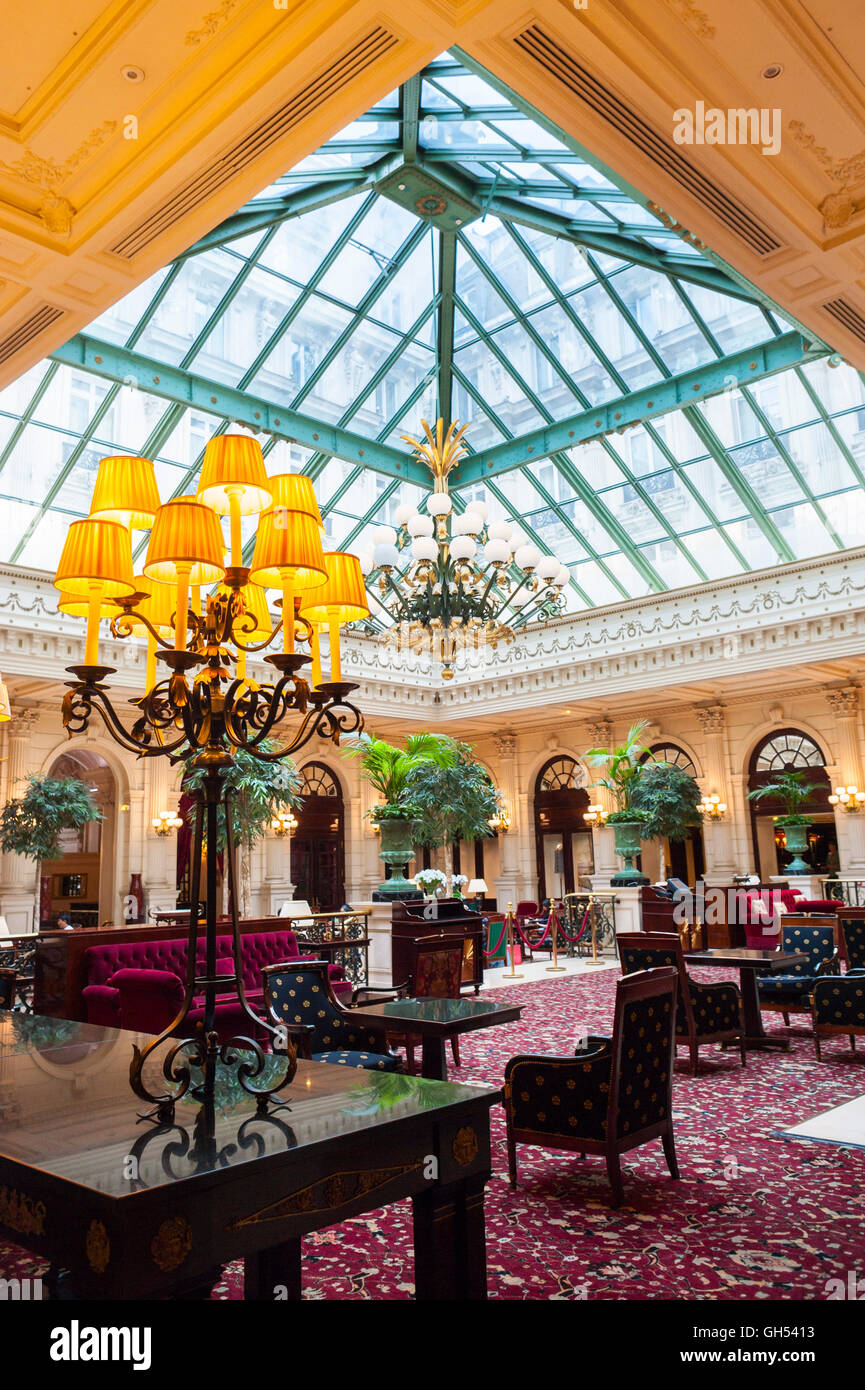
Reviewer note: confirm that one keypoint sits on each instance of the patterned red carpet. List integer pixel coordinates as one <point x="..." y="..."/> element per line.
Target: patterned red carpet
<point x="753" y="1217"/>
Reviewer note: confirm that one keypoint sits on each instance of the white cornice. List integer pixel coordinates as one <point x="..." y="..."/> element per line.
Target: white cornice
<point x="807" y="612"/>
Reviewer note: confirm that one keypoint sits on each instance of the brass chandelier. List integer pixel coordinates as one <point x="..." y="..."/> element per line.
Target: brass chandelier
<point x="202" y="614"/>
<point x="453" y="582"/>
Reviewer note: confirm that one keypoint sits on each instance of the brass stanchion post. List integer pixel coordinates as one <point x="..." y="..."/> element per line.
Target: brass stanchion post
<point x="594" y="960"/>
<point x="555" y="968"/>
<point x="512" y="973"/>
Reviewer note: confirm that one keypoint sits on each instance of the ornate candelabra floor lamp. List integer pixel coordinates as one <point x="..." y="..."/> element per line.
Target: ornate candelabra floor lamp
<point x="200" y="720"/>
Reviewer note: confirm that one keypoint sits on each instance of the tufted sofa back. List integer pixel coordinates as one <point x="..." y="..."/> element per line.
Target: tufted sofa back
<point x="257" y="949"/>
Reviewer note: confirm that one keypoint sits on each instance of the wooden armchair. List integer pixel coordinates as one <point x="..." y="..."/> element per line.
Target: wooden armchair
<point x="435" y="965"/>
<point x="611" y="1096"/>
<point x="791" y="994"/>
<point x="704" y="1013"/>
<point x="299" y="997"/>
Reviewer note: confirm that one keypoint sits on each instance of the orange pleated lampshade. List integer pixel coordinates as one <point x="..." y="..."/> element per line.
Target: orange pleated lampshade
<point x="5" y="706"/>
<point x="96" y="554"/>
<point x="288" y="543"/>
<point x="78" y="606"/>
<point x="157" y="606"/>
<point x="234" y="463"/>
<point x="294" y="491"/>
<point x="126" y="491"/>
<point x="185" y="532"/>
<point x="343" y="596"/>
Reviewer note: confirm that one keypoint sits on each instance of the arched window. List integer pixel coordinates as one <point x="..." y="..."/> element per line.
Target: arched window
<point x="786" y="751"/>
<point x="318" y="843"/>
<point x="790" y="750"/>
<point x="318" y="780"/>
<point x="560" y="774"/>
<point x="563" y="840"/>
<point x="671" y="753"/>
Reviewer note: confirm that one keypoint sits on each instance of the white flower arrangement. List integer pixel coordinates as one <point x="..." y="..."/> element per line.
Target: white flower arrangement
<point x="430" y="880"/>
<point x="458" y="880"/>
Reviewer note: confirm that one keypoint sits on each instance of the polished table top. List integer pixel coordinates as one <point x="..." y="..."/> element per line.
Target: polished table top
<point x="442" y="1015"/>
<point x="66" y="1109"/>
<point x="743" y="957"/>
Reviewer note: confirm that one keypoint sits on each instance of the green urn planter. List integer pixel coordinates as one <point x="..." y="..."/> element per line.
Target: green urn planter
<point x="796" y="837"/>
<point x="627" y="837"/>
<point x="397" y="848"/>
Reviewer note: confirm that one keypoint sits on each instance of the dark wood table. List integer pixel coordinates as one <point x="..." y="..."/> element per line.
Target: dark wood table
<point x="750" y="963"/>
<point x="436" y="1020"/>
<point x="137" y="1211"/>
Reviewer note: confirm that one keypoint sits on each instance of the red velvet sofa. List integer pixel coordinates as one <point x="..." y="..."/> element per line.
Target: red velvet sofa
<point x="762" y="927"/>
<point x="139" y="985"/>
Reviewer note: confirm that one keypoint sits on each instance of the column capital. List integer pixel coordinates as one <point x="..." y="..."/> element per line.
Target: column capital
<point x="600" y="732"/>
<point x="505" y="743"/>
<point x="23" y="722"/>
<point x="711" y="718"/>
<point x="843" y="701"/>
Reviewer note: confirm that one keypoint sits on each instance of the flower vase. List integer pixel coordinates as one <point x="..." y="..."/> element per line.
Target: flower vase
<point x="796" y="840"/>
<point x="397" y="848"/>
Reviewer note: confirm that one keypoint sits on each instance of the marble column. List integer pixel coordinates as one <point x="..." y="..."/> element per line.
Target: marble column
<point x="844" y="704"/>
<point x="514" y="844"/>
<point x="159" y="852"/>
<point x="607" y="862"/>
<point x="721" y="851"/>
<point x="19" y="876"/>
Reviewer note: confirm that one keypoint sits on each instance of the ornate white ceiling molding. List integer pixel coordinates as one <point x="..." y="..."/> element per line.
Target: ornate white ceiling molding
<point x="808" y="612"/>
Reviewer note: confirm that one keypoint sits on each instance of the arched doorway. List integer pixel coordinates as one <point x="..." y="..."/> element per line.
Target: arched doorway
<point x="790" y="750"/>
<point x="81" y="882"/>
<point x="318" y="843"/>
<point x="684" y="858"/>
<point x="563" y="841"/>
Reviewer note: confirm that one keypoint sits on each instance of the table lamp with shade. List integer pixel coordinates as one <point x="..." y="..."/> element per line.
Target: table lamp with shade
<point x="477" y="889"/>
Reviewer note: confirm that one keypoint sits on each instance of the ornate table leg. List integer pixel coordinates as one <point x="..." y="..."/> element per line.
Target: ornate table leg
<point x="433" y="1059"/>
<point x="450" y="1256"/>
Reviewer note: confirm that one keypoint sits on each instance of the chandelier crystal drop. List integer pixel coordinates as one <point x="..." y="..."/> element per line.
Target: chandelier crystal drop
<point x="451" y="582"/>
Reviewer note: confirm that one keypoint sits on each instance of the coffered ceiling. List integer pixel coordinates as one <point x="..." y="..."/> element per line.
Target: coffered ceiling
<point x="129" y="130"/>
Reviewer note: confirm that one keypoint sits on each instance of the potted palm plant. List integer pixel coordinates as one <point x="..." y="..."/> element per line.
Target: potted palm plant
<point x="667" y="797"/>
<point x="793" y="791"/>
<point x="388" y="769"/>
<point x="624" y="773"/>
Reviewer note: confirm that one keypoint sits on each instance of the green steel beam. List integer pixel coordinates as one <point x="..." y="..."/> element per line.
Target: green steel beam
<point x="410" y="116"/>
<point x="267" y="417"/>
<point x="268" y="212"/>
<point x="445" y="341"/>
<point x="613" y="243"/>
<point x="584" y="155"/>
<point x="676" y="392"/>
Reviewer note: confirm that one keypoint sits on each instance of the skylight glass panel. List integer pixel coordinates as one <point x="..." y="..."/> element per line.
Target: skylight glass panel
<point x="301" y="243"/>
<point x="335" y="313"/>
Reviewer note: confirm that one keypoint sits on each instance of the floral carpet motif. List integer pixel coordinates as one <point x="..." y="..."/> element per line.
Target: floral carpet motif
<point x="754" y="1216"/>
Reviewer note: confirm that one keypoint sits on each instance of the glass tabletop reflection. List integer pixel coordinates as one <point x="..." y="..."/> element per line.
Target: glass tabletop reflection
<point x="66" y="1108"/>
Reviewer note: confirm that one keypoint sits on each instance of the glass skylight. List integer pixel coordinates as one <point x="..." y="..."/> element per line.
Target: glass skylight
<point x="559" y="294"/>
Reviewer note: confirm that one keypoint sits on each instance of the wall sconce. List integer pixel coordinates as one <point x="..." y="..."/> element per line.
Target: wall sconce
<point x="712" y="806"/>
<point x="501" y="820"/>
<point x="596" y="815"/>
<point x="283" y="823"/>
<point x="165" y="822"/>
<point x="849" y="797"/>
